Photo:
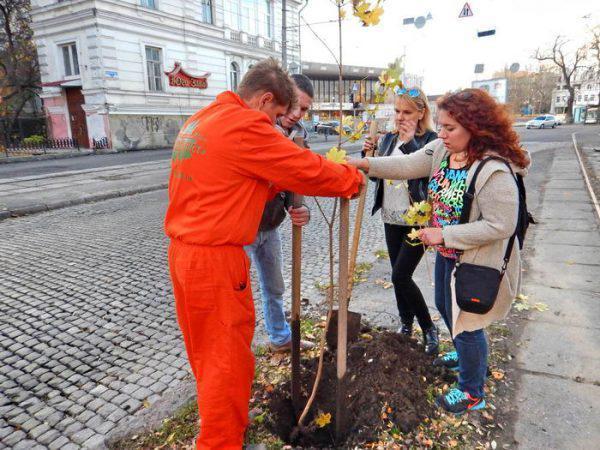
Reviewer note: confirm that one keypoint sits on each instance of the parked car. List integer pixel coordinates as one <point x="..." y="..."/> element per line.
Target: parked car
<point x="330" y="127"/>
<point x="591" y="116"/>
<point x="545" y="121"/>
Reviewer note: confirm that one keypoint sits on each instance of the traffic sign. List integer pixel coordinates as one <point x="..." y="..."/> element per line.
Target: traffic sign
<point x="466" y="11"/>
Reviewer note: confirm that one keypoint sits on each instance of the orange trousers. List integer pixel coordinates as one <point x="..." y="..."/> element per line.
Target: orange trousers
<point x="215" y="312"/>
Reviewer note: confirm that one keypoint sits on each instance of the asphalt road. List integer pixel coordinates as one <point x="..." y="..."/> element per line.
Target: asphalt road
<point x="23" y="169"/>
<point x="27" y="169"/>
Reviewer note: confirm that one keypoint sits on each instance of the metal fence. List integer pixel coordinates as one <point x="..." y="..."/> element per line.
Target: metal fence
<point x="99" y="144"/>
<point x="26" y="147"/>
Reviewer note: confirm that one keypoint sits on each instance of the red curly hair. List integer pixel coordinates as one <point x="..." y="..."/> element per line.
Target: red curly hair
<point x="489" y="123"/>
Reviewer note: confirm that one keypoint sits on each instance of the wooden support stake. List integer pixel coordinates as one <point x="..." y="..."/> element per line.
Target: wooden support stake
<point x="296" y="298"/>
<point x="360" y="209"/>
<point x="342" y="342"/>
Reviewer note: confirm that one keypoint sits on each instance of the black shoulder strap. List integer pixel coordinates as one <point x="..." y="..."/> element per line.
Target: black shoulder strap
<point x="469" y="195"/>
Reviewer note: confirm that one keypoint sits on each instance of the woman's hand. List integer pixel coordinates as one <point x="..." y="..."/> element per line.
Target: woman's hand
<point x="431" y="236"/>
<point x="369" y="147"/>
<point x="359" y="163"/>
<point x="407" y="130"/>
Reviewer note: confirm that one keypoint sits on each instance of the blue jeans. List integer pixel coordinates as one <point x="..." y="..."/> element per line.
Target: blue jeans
<point x="265" y="253"/>
<point x="471" y="346"/>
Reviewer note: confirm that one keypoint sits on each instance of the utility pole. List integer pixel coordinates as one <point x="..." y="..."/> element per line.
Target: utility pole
<point x="284" y="34"/>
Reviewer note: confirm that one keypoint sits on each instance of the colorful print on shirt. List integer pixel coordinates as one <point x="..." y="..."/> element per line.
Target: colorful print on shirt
<point x="446" y="189"/>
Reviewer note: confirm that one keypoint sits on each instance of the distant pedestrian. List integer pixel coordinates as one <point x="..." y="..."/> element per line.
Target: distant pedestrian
<point x="473" y="128"/>
<point x="413" y="130"/>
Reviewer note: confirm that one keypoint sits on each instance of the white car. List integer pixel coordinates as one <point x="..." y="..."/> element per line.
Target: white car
<point x="545" y="121"/>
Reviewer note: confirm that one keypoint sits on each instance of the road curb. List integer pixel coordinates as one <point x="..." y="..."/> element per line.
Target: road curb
<point x="152" y="418"/>
<point x="27" y="210"/>
<point x="586" y="178"/>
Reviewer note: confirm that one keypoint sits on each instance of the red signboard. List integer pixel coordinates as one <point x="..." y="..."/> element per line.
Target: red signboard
<point x="180" y="78"/>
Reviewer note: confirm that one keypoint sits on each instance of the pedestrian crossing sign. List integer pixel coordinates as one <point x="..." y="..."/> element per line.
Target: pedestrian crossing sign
<point x="466" y="11"/>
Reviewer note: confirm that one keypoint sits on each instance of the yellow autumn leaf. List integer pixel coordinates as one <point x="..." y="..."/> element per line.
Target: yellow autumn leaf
<point x="390" y="182"/>
<point x="497" y="375"/>
<point x="342" y="14"/>
<point x="323" y="420"/>
<point x="419" y="213"/>
<point x="348" y="121"/>
<point x="336" y="155"/>
<point x="541" y="307"/>
<point x="413" y="235"/>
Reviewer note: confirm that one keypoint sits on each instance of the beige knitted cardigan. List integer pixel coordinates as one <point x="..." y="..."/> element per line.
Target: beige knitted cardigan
<point x="484" y="239"/>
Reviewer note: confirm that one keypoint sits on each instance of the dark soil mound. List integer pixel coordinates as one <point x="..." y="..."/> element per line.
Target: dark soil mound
<point x="387" y="381"/>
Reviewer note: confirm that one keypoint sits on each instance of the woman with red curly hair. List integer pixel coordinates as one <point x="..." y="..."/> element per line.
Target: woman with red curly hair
<point x="472" y="127"/>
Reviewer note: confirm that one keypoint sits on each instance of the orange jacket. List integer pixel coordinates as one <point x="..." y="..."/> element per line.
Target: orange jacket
<point x="226" y="162"/>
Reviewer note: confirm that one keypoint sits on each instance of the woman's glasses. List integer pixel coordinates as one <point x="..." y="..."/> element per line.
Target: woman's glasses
<point x="411" y="93"/>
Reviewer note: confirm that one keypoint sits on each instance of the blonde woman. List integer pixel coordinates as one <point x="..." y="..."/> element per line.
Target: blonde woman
<point x="413" y="130"/>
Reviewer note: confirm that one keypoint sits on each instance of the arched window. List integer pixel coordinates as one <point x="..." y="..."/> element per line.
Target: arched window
<point x="234" y="75"/>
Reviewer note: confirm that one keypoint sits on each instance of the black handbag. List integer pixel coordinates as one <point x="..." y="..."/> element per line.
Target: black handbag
<point x="476" y="287"/>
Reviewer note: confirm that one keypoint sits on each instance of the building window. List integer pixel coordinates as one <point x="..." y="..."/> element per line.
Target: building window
<point x="207" y="16"/>
<point x="579" y="98"/>
<point x="148" y="3"/>
<point x="234" y="75"/>
<point x="70" y="61"/>
<point x="268" y="18"/>
<point x="154" y="68"/>
<point x="558" y="98"/>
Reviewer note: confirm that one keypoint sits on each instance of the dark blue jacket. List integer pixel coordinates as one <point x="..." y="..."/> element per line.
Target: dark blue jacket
<point x="418" y="187"/>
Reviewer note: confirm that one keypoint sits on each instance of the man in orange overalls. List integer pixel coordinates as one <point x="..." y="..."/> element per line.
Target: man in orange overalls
<point x="228" y="160"/>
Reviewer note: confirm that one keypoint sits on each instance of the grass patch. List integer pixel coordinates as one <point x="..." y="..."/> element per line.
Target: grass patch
<point x="382" y="254"/>
<point x="360" y="272"/>
<point x="176" y="432"/>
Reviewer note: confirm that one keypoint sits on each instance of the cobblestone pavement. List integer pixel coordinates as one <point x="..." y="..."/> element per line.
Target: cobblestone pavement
<point x="88" y="335"/>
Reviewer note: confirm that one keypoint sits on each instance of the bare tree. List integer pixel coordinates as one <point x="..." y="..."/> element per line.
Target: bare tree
<point x="567" y="66"/>
<point x="595" y="45"/>
<point x="19" y="70"/>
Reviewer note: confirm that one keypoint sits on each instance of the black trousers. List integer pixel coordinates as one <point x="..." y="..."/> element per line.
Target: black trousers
<point x="404" y="259"/>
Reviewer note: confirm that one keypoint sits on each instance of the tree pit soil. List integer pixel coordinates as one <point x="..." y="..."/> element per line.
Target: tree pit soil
<point x="387" y="382"/>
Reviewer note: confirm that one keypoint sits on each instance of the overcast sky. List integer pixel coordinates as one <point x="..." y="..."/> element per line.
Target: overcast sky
<point x="447" y="48"/>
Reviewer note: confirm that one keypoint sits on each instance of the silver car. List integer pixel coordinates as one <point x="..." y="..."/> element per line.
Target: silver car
<point x="545" y="121"/>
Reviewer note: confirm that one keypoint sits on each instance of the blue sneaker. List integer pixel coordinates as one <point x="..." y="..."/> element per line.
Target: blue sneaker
<point x="448" y="360"/>
<point x="458" y="402"/>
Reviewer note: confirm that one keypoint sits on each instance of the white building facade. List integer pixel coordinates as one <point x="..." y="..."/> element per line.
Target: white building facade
<point x="103" y="62"/>
<point x="587" y="95"/>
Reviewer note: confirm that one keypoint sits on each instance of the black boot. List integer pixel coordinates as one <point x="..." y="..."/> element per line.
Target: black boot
<point x="406" y="329"/>
<point x="431" y="340"/>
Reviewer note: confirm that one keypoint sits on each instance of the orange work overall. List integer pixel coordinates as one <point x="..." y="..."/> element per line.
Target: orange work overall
<point x="216" y="314"/>
<point x="227" y="161"/>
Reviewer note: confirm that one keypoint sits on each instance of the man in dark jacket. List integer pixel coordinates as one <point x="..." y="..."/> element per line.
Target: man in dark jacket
<point x="265" y="251"/>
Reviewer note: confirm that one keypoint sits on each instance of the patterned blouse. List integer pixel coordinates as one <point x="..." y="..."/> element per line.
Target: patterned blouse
<point x="446" y="189"/>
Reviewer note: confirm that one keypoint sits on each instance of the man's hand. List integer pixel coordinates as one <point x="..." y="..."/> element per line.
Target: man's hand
<point x="300" y="216"/>
<point x="361" y="186"/>
<point x="431" y="236"/>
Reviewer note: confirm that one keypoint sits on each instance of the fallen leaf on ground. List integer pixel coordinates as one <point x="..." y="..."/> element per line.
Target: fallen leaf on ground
<point x="497" y="375"/>
<point x="323" y="420"/>
<point x="541" y="307"/>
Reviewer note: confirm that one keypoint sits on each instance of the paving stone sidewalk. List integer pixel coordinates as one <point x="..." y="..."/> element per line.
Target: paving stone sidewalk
<point x="29" y="195"/>
<point x="88" y="336"/>
<point x="558" y="399"/>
